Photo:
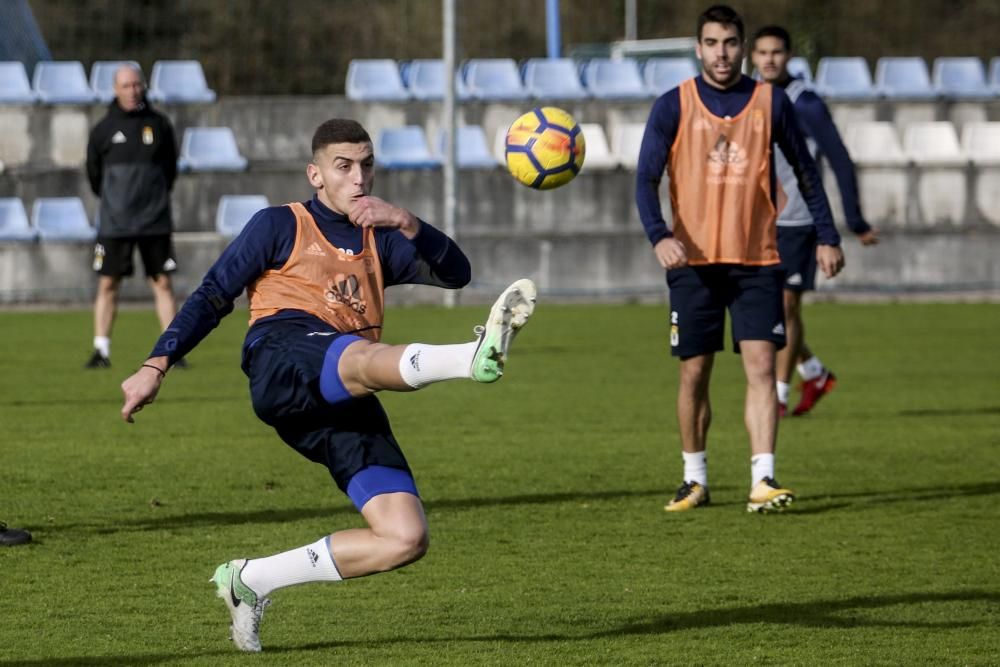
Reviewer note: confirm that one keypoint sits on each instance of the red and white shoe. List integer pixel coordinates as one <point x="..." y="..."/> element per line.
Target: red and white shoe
<point x="813" y="390"/>
<point x="782" y="409"/>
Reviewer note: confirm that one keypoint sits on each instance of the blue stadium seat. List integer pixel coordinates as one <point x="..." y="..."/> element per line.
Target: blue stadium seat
<point x="961" y="78"/>
<point x="235" y="211"/>
<point x="179" y="81"/>
<point x="845" y="79"/>
<point x="424" y="79"/>
<point x="14" y="221"/>
<point x="61" y="219"/>
<point x="62" y="82"/>
<point x="493" y="79"/>
<point x="799" y="67"/>
<point x="210" y="149"/>
<point x="375" y="81"/>
<point x="14" y="85"/>
<point x="472" y="152"/>
<point x="552" y="79"/>
<point x="404" y="148"/>
<point x="995" y="74"/>
<point x="904" y="78"/>
<point x="662" y="74"/>
<point x="614" y="79"/>
<point x="102" y="77"/>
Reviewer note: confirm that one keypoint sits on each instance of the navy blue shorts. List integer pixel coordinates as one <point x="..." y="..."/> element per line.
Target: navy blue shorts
<point x="797" y="248"/>
<point x="700" y="295"/>
<point x="285" y="367"/>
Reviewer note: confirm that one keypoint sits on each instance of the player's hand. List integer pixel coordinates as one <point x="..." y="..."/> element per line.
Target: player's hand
<point x="140" y="388"/>
<point x="869" y="238"/>
<point x="374" y="212"/>
<point x="830" y="259"/>
<point x="671" y="253"/>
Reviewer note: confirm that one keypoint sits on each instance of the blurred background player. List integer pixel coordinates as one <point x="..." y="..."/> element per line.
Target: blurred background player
<point x="771" y="50"/>
<point x="131" y="165"/>
<point x="713" y="135"/>
<point x="12" y="537"/>
<point x="315" y="274"/>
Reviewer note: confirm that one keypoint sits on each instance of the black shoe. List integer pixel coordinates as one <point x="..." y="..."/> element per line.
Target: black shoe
<point x="11" y="537"/>
<point x="181" y="364"/>
<point x="98" y="361"/>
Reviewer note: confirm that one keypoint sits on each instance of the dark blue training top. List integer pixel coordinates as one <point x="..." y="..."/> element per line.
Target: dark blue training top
<point x="816" y="122"/>
<point x="266" y="242"/>
<point x="661" y="130"/>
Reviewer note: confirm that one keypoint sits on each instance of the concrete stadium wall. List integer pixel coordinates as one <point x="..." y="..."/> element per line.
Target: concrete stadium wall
<point x="582" y="241"/>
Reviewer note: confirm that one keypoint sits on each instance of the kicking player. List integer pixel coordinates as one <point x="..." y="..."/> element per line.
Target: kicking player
<point x="713" y="135"/>
<point x="771" y="50"/>
<point x="314" y="274"/>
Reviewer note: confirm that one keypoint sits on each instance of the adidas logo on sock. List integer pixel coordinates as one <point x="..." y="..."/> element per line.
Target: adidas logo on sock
<point x="313" y="557"/>
<point x="314" y="249"/>
<point x="415" y="361"/>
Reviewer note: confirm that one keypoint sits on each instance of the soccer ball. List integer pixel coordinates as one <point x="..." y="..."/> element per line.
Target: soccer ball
<point x="545" y="148"/>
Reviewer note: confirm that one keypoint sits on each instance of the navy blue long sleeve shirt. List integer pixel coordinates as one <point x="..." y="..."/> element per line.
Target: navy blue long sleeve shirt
<point x="816" y="123"/>
<point x="661" y="130"/>
<point x="266" y="242"/>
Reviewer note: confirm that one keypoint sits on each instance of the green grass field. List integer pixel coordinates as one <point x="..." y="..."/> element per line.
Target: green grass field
<point x="544" y="494"/>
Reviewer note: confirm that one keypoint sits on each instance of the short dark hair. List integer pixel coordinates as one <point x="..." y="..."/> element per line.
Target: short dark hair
<point x="723" y="14"/>
<point x="773" y="31"/>
<point x="339" y="131"/>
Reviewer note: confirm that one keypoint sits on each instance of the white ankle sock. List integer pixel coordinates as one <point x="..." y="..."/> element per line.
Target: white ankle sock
<point x="811" y="368"/>
<point x="103" y="345"/>
<point x="423" y="364"/>
<point x="761" y="466"/>
<point x="784" y="389"/>
<point x="696" y="467"/>
<point x="312" y="562"/>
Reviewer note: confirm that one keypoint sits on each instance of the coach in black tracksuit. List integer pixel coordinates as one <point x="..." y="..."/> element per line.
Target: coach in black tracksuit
<point x="131" y="164"/>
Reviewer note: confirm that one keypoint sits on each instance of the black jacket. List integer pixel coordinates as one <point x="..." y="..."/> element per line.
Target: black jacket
<point x="132" y="164"/>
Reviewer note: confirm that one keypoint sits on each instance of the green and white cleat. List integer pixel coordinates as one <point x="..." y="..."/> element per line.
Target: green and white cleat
<point x="508" y="315"/>
<point x="244" y="606"/>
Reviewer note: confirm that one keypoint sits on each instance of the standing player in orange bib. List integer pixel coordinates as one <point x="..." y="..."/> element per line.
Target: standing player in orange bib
<point x="713" y="136"/>
<point x="315" y="273"/>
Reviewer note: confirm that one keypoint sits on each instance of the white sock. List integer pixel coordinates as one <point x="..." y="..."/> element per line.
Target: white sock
<point x="761" y="466"/>
<point x="811" y="368"/>
<point x="103" y="345"/>
<point x="784" y="389"/>
<point x="312" y="562"/>
<point x="696" y="467"/>
<point x="423" y="364"/>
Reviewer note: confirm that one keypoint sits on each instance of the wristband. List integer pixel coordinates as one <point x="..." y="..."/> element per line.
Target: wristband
<point x="162" y="372"/>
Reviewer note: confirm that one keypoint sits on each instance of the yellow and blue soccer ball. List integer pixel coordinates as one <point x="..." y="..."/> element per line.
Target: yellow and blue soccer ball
<point x="545" y="148"/>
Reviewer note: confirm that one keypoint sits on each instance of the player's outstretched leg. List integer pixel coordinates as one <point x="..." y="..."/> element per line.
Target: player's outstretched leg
<point x="507" y="317"/>
<point x="245" y="606"/>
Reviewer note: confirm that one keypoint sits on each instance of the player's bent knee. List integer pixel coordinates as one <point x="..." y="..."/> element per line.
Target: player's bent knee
<point x="411" y="545"/>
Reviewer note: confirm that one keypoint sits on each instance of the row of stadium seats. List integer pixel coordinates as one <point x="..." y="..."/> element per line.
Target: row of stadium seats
<point x="907" y="78"/>
<point x="56" y="219"/>
<point x="492" y="79"/>
<point x="65" y="82"/>
<point x="922" y="143"/>
<point x="602" y="78"/>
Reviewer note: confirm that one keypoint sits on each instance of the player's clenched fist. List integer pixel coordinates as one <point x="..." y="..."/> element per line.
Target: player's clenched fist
<point x="374" y="212"/>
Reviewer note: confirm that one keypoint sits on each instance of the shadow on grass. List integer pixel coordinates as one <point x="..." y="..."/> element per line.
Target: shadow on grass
<point x="833" y="613"/>
<point x="810" y="505"/>
<point x="114" y="398"/>
<point x="204" y="519"/>
<point x="813" y="614"/>
<point x="950" y="412"/>
<point x="893" y="496"/>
